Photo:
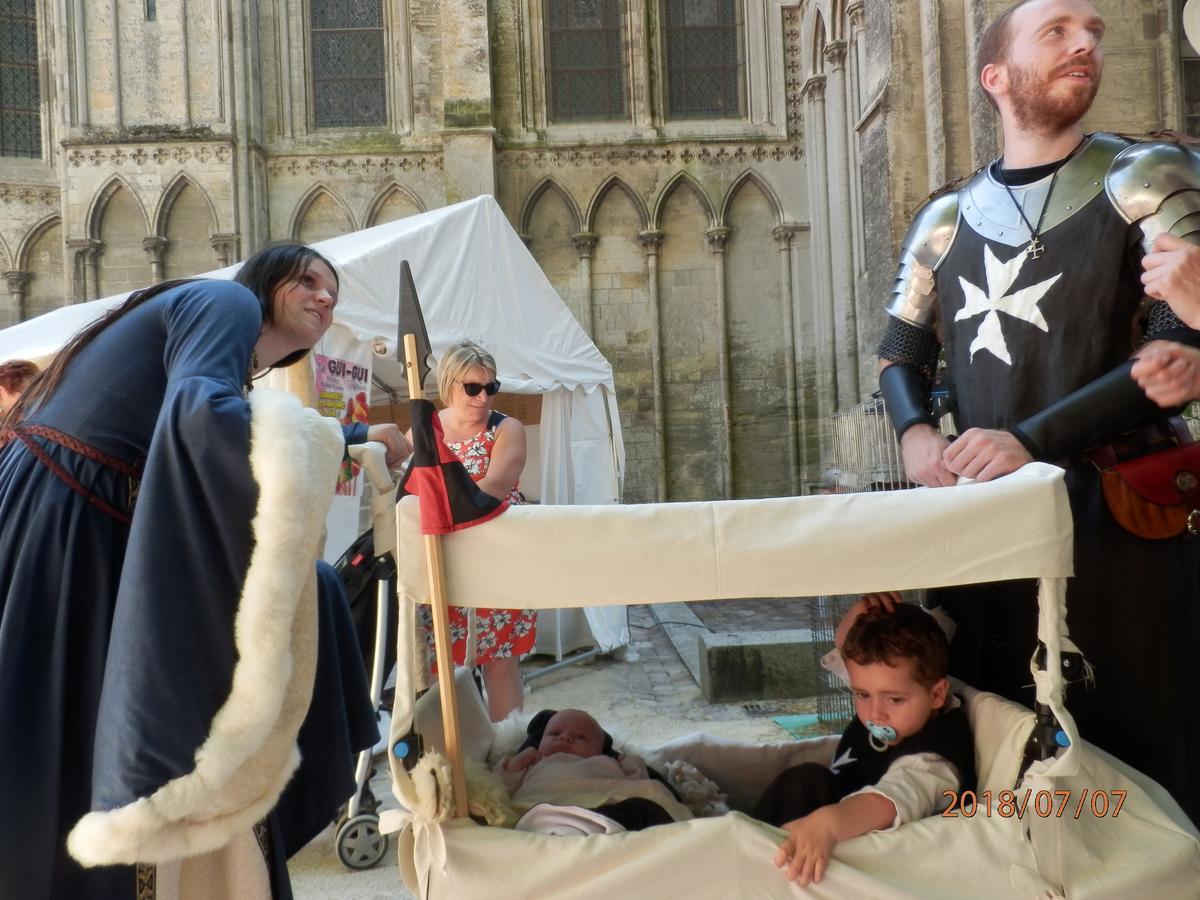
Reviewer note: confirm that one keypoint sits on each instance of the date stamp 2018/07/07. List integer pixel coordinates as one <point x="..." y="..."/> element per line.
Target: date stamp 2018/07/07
<point x="1043" y="804"/>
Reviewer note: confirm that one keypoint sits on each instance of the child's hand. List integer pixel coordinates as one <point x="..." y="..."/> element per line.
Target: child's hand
<point x="805" y="854"/>
<point x="887" y="600"/>
<point x="633" y="765"/>
<point x="523" y="760"/>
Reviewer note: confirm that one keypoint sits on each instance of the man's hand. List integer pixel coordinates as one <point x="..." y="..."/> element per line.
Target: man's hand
<point x="921" y="447"/>
<point x="984" y="454"/>
<point x="804" y="855"/>
<point x="1171" y="272"/>
<point x="1169" y="373"/>
<point x="390" y="435"/>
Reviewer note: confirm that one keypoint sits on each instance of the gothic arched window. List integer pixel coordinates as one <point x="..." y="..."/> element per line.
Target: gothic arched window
<point x="703" y="40"/>
<point x="585" y="77"/>
<point x="348" y="78"/>
<point x="20" y="97"/>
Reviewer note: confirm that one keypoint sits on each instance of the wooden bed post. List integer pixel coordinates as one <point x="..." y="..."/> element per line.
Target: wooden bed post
<point x="435" y="568"/>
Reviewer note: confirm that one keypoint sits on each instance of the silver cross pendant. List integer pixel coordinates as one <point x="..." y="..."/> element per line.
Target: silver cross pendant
<point x="1036" y="248"/>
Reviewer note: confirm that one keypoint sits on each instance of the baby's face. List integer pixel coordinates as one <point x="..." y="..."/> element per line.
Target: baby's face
<point x="890" y="695"/>
<point x="572" y="731"/>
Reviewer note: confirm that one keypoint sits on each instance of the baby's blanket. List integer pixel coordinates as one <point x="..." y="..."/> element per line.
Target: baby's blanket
<point x="568" y="780"/>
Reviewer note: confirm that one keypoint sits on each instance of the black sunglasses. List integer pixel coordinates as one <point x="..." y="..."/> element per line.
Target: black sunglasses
<point x="472" y="388"/>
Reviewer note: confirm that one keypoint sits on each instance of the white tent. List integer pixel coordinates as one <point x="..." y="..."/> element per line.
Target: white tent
<point x="475" y="279"/>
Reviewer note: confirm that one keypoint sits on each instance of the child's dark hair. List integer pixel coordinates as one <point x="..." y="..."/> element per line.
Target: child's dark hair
<point x="909" y="633"/>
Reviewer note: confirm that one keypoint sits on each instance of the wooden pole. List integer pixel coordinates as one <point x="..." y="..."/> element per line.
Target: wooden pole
<point x="435" y="567"/>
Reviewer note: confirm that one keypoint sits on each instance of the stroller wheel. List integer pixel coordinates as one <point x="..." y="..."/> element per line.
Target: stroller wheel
<point x="359" y="843"/>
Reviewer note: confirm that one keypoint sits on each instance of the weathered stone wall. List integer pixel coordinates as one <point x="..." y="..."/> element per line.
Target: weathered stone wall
<point x="732" y="271"/>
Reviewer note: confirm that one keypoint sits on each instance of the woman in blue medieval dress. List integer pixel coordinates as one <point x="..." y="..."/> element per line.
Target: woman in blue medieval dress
<point x="126" y="501"/>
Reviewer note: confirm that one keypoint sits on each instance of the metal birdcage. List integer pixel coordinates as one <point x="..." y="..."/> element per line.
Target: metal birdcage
<point x="865" y="454"/>
<point x="864" y="457"/>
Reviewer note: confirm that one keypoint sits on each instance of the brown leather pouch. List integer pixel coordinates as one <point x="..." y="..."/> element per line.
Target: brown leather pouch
<point x="1156" y="496"/>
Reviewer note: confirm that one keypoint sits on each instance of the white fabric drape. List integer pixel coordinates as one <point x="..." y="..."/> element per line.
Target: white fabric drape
<point x="606" y="556"/>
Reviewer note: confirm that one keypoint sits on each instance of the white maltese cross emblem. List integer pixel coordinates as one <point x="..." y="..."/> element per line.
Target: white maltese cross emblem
<point x="1022" y="304"/>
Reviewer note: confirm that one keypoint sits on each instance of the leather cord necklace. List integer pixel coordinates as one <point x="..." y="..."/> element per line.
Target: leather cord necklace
<point x="1036" y="248"/>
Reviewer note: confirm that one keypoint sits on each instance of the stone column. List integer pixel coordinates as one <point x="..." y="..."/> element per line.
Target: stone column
<point x="840" y="235"/>
<point x="18" y="287"/>
<point x="854" y="68"/>
<point x="717" y="239"/>
<point x="651" y="240"/>
<point x="155" y="245"/>
<point x="225" y="248"/>
<point x="818" y="180"/>
<point x="585" y="243"/>
<point x="783" y="238"/>
<point x="468" y="147"/>
<point x="85" y="267"/>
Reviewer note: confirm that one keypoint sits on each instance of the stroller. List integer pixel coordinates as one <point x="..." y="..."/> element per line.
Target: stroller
<point x="369" y="575"/>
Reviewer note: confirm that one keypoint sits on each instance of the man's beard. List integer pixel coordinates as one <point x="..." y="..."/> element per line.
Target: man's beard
<point x="1038" y="109"/>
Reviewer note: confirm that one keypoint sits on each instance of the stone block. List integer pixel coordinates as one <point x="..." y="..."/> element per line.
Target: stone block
<point x="759" y="665"/>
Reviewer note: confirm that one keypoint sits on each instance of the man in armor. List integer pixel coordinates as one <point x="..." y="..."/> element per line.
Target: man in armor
<point x="1027" y="279"/>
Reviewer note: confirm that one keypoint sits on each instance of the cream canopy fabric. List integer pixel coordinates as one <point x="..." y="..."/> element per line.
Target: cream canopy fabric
<point x="1016" y="527"/>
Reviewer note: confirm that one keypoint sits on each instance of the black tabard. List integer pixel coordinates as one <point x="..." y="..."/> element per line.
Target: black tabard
<point x="948" y="734"/>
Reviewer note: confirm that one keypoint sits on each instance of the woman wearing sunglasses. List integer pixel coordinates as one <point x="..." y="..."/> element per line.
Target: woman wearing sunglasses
<point x="491" y="446"/>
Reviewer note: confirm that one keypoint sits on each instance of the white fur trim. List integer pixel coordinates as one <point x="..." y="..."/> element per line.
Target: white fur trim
<point x="250" y="752"/>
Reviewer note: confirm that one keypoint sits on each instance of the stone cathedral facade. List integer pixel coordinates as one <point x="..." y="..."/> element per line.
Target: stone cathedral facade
<point x="715" y="187"/>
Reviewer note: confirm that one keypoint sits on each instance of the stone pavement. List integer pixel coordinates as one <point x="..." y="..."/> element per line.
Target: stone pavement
<point x="646" y="698"/>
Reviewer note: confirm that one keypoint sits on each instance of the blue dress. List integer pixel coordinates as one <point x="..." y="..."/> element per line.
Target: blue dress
<point x="116" y="637"/>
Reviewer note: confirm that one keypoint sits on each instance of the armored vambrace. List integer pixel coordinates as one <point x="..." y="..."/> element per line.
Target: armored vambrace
<point x="1105" y="409"/>
<point x="906" y="396"/>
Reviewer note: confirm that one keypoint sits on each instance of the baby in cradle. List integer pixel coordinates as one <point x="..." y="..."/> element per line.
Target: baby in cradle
<point x="568" y="760"/>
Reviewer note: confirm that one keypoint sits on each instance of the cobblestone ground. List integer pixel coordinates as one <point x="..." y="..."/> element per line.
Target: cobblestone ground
<point x="738" y="616"/>
<point x="654" y="698"/>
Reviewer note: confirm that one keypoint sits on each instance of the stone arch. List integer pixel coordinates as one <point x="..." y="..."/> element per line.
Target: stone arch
<point x="752" y="177"/>
<point x="394" y="198"/>
<point x="21" y="258"/>
<point x="681" y="179"/>
<point x="692" y="407"/>
<point x="535" y="196"/>
<point x="120" y="223"/>
<point x="41" y="255"/>
<point x="316" y="216"/>
<point x="617" y="183"/>
<point x="187" y="219"/>
<point x="625" y="324"/>
<point x="6" y="258"/>
<point x="551" y="223"/>
<point x="758" y="344"/>
<point x="817" y="44"/>
<point x="166" y="203"/>
<point x="104" y="197"/>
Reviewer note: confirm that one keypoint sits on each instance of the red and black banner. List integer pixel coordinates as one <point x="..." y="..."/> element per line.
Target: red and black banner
<point x="450" y="500"/>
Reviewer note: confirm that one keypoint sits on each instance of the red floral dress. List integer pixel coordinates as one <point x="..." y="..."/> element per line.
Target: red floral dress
<point x="499" y="633"/>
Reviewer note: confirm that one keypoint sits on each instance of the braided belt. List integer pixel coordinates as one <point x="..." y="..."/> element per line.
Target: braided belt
<point x="26" y="434"/>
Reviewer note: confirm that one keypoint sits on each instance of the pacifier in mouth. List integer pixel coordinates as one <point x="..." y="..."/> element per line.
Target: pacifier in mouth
<point x="880" y="735"/>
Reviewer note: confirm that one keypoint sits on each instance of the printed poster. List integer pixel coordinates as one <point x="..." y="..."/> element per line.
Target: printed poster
<point x="342" y="393"/>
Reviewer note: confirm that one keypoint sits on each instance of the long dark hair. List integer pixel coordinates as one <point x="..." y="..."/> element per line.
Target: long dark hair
<point x="271" y="267"/>
<point x="263" y="273"/>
